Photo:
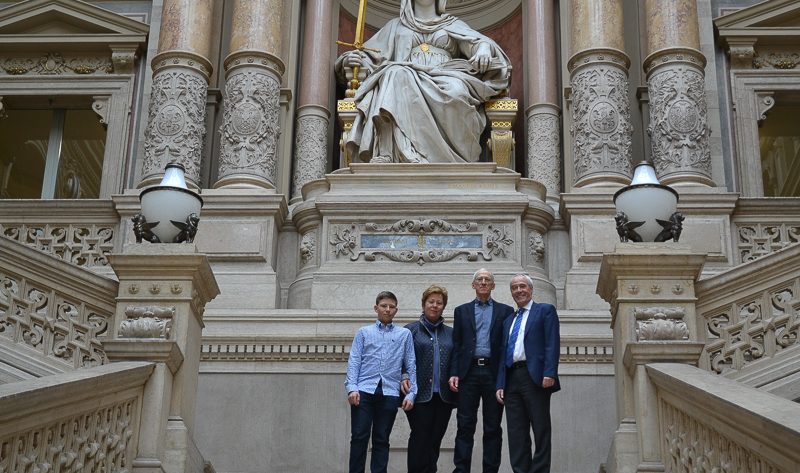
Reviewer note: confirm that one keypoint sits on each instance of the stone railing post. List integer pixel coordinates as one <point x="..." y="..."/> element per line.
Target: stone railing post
<point x="253" y="75"/>
<point x="675" y="70"/>
<point x="176" y="125"/>
<point x="601" y="117"/>
<point x="163" y="290"/>
<point x="651" y="290"/>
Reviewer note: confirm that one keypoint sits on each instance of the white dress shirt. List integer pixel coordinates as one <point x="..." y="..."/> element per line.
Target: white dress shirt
<point x="519" y="347"/>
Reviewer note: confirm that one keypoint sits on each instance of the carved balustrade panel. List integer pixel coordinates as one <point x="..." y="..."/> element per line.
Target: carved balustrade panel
<point x="82" y="244"/>
<point x="99" y="440"/>
<point x="55" y="324"/>
<point x="754" y="240"/>
<point x="752" y="327"/>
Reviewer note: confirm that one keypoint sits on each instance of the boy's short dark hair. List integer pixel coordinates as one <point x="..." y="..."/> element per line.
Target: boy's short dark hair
<point x="385" y="295"/>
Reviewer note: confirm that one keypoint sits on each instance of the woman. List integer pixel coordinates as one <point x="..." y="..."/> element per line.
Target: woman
<point x="433" y="346"/>
<point x="428" y="75"/>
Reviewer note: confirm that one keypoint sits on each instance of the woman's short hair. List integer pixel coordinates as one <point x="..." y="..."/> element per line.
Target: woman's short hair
<point x="434" y="289"/>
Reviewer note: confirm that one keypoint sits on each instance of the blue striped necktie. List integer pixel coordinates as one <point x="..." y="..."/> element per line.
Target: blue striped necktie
<point x="512" y="340"/>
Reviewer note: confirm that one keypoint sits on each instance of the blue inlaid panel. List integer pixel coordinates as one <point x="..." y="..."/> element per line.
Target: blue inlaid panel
<point x="389" y="242"/>
<point x="446" y="242"/>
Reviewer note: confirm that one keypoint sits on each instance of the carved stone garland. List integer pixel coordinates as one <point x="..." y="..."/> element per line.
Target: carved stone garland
<point x="601" y="126"/>
<point x="544" y="147"/>
<point x="250" y="127"/>
<point x="310" y="146"/>
<point x="176" y="123"/>
<point x="678" y="116"/>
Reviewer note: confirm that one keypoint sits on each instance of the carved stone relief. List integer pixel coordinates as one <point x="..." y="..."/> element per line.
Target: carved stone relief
<point x="776" y="59"/>
<point x="544" y="147"/>
<point x="678" y="114"/>
<point x="250" y="128"/>
<point x="601" y="127"/>
<point x="756" y="240"/>
<point x="536" y="247"/>
<point x="54" y="63"/>
<point x="308" y="248"/>
<point x="176" y="123"/>
<point x="51" y="323"/>
<point x="147" y="322"/>
<point x="311" y="152"/>
<point x="84" y="246"/>
<point x="422" y="241"/>
<point x="100" y="439"/>
<point x="660" y="323"/>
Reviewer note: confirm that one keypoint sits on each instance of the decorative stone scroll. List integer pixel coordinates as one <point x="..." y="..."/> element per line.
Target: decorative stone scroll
<point x="54" y="324"/>
<point x="660" y="323"/>
<point x="544" y="147"/>
<point x="250" y="128"/>
<point x="311" y="150"/>
<point x="758" y="239"/>
<point x="687" y="441"/>
<point x="101" y="439"/>
<point x="82" y="245"/>
<point x="422" y="241"/>
<point x="601" y="125"/>
<point x="678" y="115"/>
<point x="176" y="123"/>
<point x="147" y="322"/>
<point x="776" y="59"/>
<point x="54" y="63"/>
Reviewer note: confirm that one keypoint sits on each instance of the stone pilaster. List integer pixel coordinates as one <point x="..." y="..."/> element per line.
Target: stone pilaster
<point x="313" y="115"/>
<point x="651" y="291"/>
<point x="601" y="122"/>
<point x="163" y="290"/>
<point x="676" y="82"/>
<point x="542" y="118"/>
<point x="181" y="69"/>
<point x="253" y="75"/>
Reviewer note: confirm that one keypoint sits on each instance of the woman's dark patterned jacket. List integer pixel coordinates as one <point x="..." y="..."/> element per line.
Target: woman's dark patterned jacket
<point x="423" y="350"/>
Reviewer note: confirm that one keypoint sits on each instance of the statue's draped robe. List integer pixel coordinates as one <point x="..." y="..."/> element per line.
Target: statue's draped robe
<point x="434" y="99"/>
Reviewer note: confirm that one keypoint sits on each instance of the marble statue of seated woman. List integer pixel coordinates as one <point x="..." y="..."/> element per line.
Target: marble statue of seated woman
<point x="428" y="76"/>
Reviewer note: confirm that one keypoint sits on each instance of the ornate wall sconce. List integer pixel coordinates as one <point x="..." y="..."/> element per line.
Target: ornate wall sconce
<point x="170" y="211"/>
<point x="647" y="209"/>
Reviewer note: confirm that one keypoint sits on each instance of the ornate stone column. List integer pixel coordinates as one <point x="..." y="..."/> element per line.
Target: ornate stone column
<point x="253" y="74"/>
<point x="676" y="83"/>
<point x="313" y="115"/>
<point x="542" y="118"/>
<point x="601" y="122"/>
<point x="176" y="124"/>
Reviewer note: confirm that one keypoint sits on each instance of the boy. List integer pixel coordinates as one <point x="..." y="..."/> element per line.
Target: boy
<point x="380" y="352"/>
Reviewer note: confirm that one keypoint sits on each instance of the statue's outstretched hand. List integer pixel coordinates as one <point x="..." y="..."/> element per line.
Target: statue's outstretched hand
<point x="482" y="58"/>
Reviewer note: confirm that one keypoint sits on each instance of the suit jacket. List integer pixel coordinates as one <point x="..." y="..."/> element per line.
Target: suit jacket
<point x="423" y="350"/>
<point x="542" y="345"/>
<point x="464" y="336"/>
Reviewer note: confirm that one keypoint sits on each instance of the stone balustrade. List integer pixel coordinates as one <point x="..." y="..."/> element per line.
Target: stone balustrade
<point x="85" y="420"/>
<point x="52" y="314"/>
<point x="754" y="432"/>
<point x="749" y="314"/>
<point x="762" y="226"/>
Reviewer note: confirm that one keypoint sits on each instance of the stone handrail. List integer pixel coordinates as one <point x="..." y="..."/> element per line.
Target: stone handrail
<point x="80" y="421"/>
<point x="711" y="423"/>
<point x="751" y="312"/>
<point x="80" y="232"/>
<point x="52" y="313"/>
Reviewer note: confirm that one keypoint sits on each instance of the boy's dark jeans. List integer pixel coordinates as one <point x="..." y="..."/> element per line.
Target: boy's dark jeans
<point x="376" y="412"/>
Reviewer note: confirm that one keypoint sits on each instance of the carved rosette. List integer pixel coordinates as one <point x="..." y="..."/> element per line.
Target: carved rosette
<point x="250" y="127"/>
<point x="176" y="123"/>
<point x="601" y="126"/>
<point x="544" y="145"/>
<point x="310" y="146"/>
<point x="678" y="116"/>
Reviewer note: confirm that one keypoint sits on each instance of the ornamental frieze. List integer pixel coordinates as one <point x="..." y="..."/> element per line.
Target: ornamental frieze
<point x="56" y="64"/>
<point x="422" y="241"/>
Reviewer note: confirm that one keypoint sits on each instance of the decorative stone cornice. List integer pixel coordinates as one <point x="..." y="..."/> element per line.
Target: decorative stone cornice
<point x="182" y="59"/>
<point x="672" y="56"/>
<point x="608" y="56"/>
<point x="261" y="59"/>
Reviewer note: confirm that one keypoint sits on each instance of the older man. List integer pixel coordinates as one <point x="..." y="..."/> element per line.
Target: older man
<point x="528" y="376"/>
<point x="477" y="336"/>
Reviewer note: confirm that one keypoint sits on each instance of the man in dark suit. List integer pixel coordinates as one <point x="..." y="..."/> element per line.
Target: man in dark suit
<point x="528" y="377"/>
<point x="477" y="335"/>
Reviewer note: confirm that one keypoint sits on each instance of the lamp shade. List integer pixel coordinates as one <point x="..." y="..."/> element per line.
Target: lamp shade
<point x="645" y="201"/>
<point x="170" y="204"/>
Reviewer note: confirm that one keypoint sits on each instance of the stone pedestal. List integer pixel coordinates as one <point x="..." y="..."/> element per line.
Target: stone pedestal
<point x="163" y="290"/>
<point x="402" y="227"/>
<point x="650" y="287"/>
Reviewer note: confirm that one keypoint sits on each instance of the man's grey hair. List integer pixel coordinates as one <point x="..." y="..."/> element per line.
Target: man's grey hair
<point x="523" y="275"/>
<point x="482" y="270"/>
